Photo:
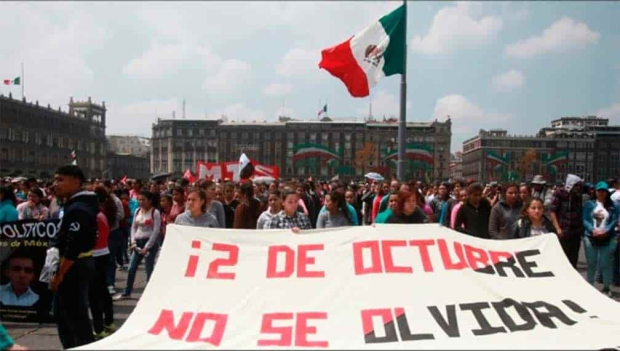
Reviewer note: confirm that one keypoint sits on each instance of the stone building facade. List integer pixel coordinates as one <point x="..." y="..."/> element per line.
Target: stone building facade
<point x="35" y="140"/>
<point x="320" y="149"/>
<point x="586" y="146"/>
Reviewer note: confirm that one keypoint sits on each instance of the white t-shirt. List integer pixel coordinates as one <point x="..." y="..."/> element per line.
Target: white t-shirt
<point x="600" y="216"/>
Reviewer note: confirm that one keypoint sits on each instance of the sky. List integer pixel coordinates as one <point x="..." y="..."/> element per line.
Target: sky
<point x="510" y="65"/>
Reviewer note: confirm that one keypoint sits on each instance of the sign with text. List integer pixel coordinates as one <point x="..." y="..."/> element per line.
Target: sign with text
<point x="230" y="170"/>
<point x="384" y="287"/>
<point x="23" y="246"/>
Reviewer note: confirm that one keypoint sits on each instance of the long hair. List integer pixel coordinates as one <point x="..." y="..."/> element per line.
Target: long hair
<point x="107" y="203"/>
<point x="338" y="197"/>
<point x="403" y="195"/>
<point x="8" y="194"/>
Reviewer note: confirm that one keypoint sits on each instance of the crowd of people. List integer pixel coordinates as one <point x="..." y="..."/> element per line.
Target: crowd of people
<point x="128" y="221"/>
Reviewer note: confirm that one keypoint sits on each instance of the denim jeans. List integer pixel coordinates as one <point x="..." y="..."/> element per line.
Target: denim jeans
<point x="115" y="245"/>
<point x="70" y="305"/>
<point x="599" y="257"/>
<point x="136" y="258"/>
<point x="100" y="301"/>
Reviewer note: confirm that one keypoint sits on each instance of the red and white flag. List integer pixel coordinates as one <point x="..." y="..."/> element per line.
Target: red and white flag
<point x="189" y="176"/>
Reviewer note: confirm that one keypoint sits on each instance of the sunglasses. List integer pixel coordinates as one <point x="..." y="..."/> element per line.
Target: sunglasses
<point x="18" y="269"/>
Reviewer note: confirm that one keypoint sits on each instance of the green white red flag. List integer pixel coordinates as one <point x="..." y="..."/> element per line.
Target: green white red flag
<point x="16" y="81"/>
<point x="368" y="56"/>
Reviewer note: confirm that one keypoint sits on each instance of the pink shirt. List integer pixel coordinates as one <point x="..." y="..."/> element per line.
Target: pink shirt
<point x="455" y="211"/>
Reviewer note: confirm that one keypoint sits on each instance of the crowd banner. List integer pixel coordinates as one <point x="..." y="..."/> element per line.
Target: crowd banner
<point x="230" y="170"/>
<point x="23" y="246"/>
<point x="383" y="287"/>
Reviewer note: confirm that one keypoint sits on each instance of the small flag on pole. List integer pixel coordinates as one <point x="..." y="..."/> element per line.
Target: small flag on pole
<point x="16" y="81"/>
<point x="73" y="158"/>
<point x="322" y="111"/>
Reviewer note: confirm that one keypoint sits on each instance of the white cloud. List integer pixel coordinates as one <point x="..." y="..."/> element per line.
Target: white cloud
<point x="137" y="117"/>
<point x="55" y="62"/>
<point x="456" y="26"/>
<point x="612" y="112"/>
<point x="239" y="112"/>
<point x="233" y="74"/>
<point x="467" y="117"/>
<point x="278" y="89"/>
<point x="508" y="81"/>
<point x="158" y="61"/>
<point x="299" y="62"/>
<point x="563" y="35"/>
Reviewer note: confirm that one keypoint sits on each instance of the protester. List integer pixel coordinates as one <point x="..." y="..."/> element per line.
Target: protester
<point x="130" y="205"/>
<point x="289" y="217"/>
<point x="8" y="201"/>
<point x="473" y="216"/>
<point x="230" y="204"/>
<point x="196" y="214"/>
<point x="115" y="240"/>
<point x="178" y="203"/>
<point x="350" y="198"/>
<point x="442" y="204"/>
<point x="382" y="190"/>
<point x="337" y="214"/>
<point x="249" y="209"/>
<point x="505" y="213"/>
<point x="532" y="220"/>
<point x="392" y="204"/>
<point x="214" y="207"/>
<point x="394" y="187"/>
<point x="145" y="231"/>
<point x="275" y="206"/>
<point x="406" y="210"/>
<point x="600" y="217"/>
<point x="74" y="241"/>
<point x="165" y="204"/>
<point x="542" y="191"/>
<point x="33" y="208"/>
<point x="99" y="298"/>
<point x="455" y="210"/>
<point x="566" y="214"/>
<point x="525" y="192"/>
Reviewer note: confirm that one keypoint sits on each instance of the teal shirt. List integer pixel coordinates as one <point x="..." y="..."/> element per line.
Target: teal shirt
<point x="383" y="216"/>
<point x="8" y="212"/>
<point x="133" y="206"/>
<point x="5" y="340"/>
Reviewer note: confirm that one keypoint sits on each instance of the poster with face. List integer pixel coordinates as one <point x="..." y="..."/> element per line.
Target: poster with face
<point x="23" y="246"/>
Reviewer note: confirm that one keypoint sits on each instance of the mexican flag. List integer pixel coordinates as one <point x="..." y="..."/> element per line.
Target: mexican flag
<point x="416" y="152"/>
<point x="16" y="81"/>
<point x="323" y="110"/>
<point x="369" y="55"/>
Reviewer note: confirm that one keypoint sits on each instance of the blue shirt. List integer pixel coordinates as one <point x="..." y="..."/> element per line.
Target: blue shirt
<point x="8" y="297"/>
<point x="8" y="212"/>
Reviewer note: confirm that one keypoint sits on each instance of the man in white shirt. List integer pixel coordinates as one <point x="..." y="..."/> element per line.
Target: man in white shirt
<point x="17" y="292"/>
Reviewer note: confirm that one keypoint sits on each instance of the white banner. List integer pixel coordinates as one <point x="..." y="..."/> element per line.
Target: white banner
<point x="384" y="287"/>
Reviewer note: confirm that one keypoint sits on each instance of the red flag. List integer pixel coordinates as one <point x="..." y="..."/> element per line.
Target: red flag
<point x="7" y="82"/>
<point x="124" y="180"/>
<point x="188" y="175"/>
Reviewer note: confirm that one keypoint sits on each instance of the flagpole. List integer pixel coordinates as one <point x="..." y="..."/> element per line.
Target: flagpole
<point x="402" y="124"/>
<point x="23" y="81"/>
